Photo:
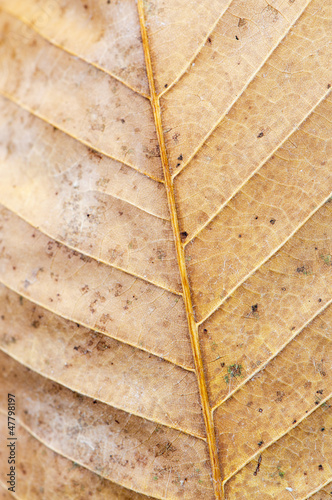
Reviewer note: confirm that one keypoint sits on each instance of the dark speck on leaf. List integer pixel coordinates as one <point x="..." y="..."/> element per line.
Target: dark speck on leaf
<point x="272" y="221"/>
<point x="254" y="307"/>
<point x="260" y="135"/>
<point x="180" y="158"/>
<point x="166" y="85"/>
<point x="236" y="37"/>
<point x="258" y="465"/>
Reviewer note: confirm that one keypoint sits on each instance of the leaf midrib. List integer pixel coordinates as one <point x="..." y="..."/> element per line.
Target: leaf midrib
<point x="192" y="326"/>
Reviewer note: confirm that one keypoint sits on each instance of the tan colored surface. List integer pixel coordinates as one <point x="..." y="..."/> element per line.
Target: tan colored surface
<point x="230" y="59"/>
<point x="267" y="407"/>
<point x="45" y="474"/>
<point x="323" y="493"/>
<point x="4" y="494"/>
<point x="105" y="114"/>
<point x="283" y="170"/>
<point x="71" y="201"/>
<point x="91" y="293"/>
<point x="119" y="375"/>
<point x="166" y="247"/>
<point x="290" y="463"/>
<point x="105" y="34"/>
<point x="279" y="198"/>
<point x="112" y="443"/>
<point x="62" y="166"/>
<point x="176" y="34"/>
<point x="270" y="308"/>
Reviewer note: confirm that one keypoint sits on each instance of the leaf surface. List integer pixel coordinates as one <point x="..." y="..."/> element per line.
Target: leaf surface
<point x="165" y="248"/>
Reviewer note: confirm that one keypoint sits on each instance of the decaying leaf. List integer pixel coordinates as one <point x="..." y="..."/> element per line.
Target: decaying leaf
<point x="166" y="248"/>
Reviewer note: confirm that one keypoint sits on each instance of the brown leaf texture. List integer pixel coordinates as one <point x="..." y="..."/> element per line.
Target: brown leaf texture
<point x="166" y="248"/>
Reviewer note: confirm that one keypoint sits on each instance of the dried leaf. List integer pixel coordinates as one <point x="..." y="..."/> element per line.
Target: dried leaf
<point x="166" y="248"/>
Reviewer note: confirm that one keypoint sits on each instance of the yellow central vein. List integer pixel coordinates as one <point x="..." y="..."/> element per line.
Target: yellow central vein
<point x="193" y="328"/>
